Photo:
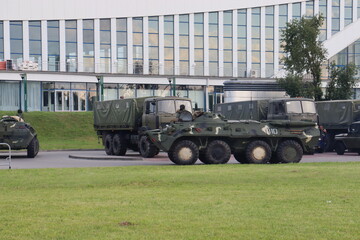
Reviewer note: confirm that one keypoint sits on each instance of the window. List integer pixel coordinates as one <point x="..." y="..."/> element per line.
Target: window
<point x="184" y="44"/>
<point x="255" y="40"/>
<point x="88" y="45"/>
<point x="138" y="45"/>
<point x="105" y="46"/>
<point x="242" y="45"/>
<point x="1" y="41"/>
<point x="169" y="44"/>
<point x="71" y="45"/>
<point x="269" y="41"/>
<point x="16" y="42"/>
<point x="53" y="46"/>
<point x="228" y="46"/>
<point x="153" y="45"/>
<point x="199" y="43"/>
<point x="121" y="45"/>
<point x="213" y="43"/>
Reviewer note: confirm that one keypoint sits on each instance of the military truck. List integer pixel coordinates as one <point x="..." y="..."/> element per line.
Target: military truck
<point x="348" y="141"/>
<point x="336" y="117"/>
<point x="212" y="138"/>
<point x="121" y="123"/>
<point x="19" y="135"/>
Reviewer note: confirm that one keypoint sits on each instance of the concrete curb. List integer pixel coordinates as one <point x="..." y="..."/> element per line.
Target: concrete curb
<point x="122" y="158"/>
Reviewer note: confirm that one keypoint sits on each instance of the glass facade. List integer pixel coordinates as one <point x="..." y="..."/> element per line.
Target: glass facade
<point x="88" y="46"/>
<point x="35" y="49"/>
<point x="323" y="12"/>
<point x="169" y="45"/>
<point x="71" y="45"/>
<point x="228" y="43"/>
<point x="105" y="45"/>
<point x="53" y="45"/>
<point x="241" y="39"/>
<point x="121" y="45"/>
<point x="255" y="42"/>
<point x="1" y="41"/>
<point x="153" y="45"/>
<point x="184" y="44"/>
<point x="199" y="44"/>
<point x="138" y="46"/>
<point x="335" y="18"/>
<point x="283" y="19"/>
<point x="213" y="44"/>
<point x="16" y="43"/>
<point x="348" y="11"/>
<point x="269" y="41"/>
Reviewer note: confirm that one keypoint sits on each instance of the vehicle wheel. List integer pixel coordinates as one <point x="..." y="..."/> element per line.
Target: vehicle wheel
<point x="258" y="152"/>
<point x="289" y="151"/>
<point x="340" y="148"/>
<point x="33" y="148"/>
<point x="217" y="152"/>
<point x="146" y="148"/>
<point x="109" y="144"/>
<point x="119" y="145"/>
<point x="240" y="157"/>
<point x="202" y="157"/>
<point x="185" y="152"/>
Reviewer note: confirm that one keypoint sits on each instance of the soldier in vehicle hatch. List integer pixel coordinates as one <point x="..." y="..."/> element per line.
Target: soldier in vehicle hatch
<point x="182" y="114"/>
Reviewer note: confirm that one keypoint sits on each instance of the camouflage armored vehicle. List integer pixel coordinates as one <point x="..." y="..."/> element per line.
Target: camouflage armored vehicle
<point x="212" y="139"/>
<point x="19" y="135"/>
<point x="121" y="123"/>
<point x="348" y="141"/>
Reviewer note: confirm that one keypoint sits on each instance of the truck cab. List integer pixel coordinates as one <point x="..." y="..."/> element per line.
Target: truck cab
<point x="158" y="112"/>
<point x="293" y="109"/>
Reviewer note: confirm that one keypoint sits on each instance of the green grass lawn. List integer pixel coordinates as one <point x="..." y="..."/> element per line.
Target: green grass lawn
<point x="233" y="201"/>
<point x="63" y="130"/>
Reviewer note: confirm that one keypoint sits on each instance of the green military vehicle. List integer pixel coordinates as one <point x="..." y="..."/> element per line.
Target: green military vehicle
<point x="121" y="123"/>
<point x="348" y="141"/>
<point x="18" y="135"/>
<point x="336" y="117"/>
<point x="284" y="137"/>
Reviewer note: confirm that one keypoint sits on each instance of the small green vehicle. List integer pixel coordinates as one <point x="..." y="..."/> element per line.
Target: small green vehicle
<point x="348" y="141"/>
<point x="19" y="135"/>
<point x="212" y="139"/>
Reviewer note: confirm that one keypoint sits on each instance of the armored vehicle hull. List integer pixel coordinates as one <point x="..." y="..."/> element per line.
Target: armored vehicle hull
<point x="19" y="135"/>
<point x="213" y="139"/>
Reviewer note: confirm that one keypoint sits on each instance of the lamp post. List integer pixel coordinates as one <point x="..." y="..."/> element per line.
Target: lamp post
<point x="100" y="88"/>
<point x="24" y="83"/>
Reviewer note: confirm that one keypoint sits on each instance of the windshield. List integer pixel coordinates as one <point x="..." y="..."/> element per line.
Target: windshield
<point x="171" y="106"/>
<point x="166" y="106"/>
<point x="293" y="107"/>
<point x="308" y="107"/>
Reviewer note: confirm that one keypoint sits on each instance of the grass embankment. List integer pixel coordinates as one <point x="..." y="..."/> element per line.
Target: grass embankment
<point x="62" y="130"/>
<point x="233" y="201"/>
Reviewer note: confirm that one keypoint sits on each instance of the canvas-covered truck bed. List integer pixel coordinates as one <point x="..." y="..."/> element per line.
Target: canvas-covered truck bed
<point x="244" y="110"/>
<point x="338" y="114"/>
<point x="118" y="114"/>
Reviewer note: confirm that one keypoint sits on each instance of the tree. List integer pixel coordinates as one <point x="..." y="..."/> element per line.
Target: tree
<point x="304" y="53"/>
<point x="342" y="82"/>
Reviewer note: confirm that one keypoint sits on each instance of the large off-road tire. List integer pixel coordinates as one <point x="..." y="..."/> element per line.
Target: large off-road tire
<point x="108" y="144"/>
<point x="340" y="148"/>
<point x="258" y="152"/>
<point x="119" y="144"/>
<point x="146" y="148"/>
<point x="289" y="151"/>
<point x="217" y="152"/>
<point x="202" y="157"/>
<point x="240" y="157"/>
<point x="33" y="148"/>
<point x="184" y="152"/>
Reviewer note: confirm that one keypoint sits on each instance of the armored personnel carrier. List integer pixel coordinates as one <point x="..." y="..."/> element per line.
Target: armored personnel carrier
<point x="212" y="139"/>
<point x="19" y="135"/>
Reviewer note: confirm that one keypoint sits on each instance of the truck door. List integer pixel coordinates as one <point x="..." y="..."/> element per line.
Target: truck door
<point x="149" y="118"/>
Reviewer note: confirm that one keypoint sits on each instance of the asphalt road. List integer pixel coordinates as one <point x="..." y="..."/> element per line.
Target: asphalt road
<point x="72" y="159"/>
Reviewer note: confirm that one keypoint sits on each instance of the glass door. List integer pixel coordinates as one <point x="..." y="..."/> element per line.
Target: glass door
<point x="62" y="100"/>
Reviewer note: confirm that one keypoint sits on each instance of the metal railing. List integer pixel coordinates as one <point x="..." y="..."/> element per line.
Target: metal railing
<point x="8" y="159"/>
